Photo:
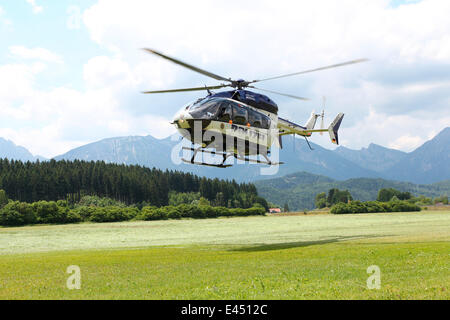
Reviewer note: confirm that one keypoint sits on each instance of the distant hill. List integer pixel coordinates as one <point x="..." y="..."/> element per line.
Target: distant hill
<point x="300" y="189"/>
<point x="428" y="163"/>
<point x="375" y="157"/>
<point x="11" y="151"/>
<point x="147" y="151"/>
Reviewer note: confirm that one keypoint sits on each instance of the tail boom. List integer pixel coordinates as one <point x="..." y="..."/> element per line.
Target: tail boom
<point x="288" y="127"/>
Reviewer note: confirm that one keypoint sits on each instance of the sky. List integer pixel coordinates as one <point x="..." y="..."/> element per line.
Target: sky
<point x="72" y="72"/>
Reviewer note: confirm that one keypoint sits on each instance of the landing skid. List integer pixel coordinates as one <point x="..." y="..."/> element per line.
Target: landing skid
<point x="208" y="164"/>
<point x="225" y="157"/>
<point x="270" y="163"/>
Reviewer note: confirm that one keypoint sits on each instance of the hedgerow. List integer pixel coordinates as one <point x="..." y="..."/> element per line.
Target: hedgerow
<point x="17" y="213"/>
<point x="374" y="206"/>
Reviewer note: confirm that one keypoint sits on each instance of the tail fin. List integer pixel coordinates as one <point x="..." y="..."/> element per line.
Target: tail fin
<point x="334" y="127"/>
<point x="312" y="121"/>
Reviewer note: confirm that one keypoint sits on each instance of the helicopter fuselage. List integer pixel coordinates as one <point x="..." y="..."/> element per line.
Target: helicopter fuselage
<point x="227" y="125"/>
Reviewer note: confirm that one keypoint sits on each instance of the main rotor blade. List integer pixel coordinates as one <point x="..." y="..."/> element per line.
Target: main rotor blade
<point x="187" y="89"/>
<point x="184" y="64"/>
<point x="281" y="94"/>
<point x="313" y="70"/>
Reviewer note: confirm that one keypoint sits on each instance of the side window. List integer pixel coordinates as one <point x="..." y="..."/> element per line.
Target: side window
<point x="239" y="115"/>
<point x="265" y="122"/>
<point x="225" y="112"/>
<point x="255" y="118"/>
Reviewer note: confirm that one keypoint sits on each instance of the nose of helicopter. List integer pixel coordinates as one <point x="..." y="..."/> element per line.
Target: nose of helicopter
<point x="181" y="118"/>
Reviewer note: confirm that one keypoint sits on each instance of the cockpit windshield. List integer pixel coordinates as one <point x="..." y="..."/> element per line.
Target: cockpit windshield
<point x="200" y="103"/>
<point x="205" y="109"/>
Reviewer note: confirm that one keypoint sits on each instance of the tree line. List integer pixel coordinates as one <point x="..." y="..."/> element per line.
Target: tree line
<point x="131" y="184"/>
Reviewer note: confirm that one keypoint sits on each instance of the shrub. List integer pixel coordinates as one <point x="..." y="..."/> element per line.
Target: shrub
<point x="113" y="214"/>
<point x="208" y="212"/>
<point x="222" y="211"/>
<point x="84" y="212"/>
<point x="49" y="212"/>
<point x="73" y="217"/>
<point x="196" y="212"/>
<point x="357" y="207"/>
<point x="131" y="212"/>
<point x="374" y="206"/>
<point x="403" y="206"/>
<point x="98" y="215"/>
<point x="340" y="208"/>
<point x="173" y="212"/>
<point x="152" y="213"/>
<point x="256" y="211"/>
<point x="189" y="211"/>
<point x="17" y="213"/>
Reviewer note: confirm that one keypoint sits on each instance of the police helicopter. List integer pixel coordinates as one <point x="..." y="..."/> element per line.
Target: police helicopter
<point x="240" y="123"/>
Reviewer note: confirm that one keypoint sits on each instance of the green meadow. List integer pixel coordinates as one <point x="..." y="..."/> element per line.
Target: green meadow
<point x="272" y="257"/>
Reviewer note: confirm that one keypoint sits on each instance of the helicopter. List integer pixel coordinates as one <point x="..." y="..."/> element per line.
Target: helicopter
<point x="240" y="123"/>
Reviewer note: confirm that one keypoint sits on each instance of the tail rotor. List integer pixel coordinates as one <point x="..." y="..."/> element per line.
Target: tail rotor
<point x="322" y="125"/>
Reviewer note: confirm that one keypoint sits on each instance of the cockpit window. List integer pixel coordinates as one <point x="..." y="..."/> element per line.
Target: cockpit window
<point x="265" y="122"/>
<point x="228" y="110"/>
<point x="202" y="103"/>
<point x="255" y="118"/>
<point x="239" y="115"/>
<point x="207" y="109"/>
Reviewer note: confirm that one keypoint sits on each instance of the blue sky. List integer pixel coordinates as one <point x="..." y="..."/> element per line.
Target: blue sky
<point x="48" y="29"/>
<point x="71" y="72"/>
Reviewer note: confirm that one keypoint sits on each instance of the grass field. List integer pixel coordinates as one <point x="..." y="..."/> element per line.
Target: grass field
<point x="276" y="257"/>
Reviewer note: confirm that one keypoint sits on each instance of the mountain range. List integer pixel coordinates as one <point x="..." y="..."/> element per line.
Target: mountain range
<point x="427" y="164"/>
<point x="10" y="150"/>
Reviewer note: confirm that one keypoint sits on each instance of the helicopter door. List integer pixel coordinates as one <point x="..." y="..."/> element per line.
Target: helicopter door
<point x="240" y="115"/>
<point x="265" y="122"/>
<point x="255" y="118"/>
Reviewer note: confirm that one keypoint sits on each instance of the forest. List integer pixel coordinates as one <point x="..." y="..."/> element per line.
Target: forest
<point x="131" y="184"/>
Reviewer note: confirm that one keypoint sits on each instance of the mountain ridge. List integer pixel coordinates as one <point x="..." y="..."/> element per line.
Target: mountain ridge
<point x="8" y="149"/>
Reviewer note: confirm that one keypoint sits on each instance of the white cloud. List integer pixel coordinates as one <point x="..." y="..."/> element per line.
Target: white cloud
<point x="406" y="142"/>
<point x="103" y="71"/>
<point x="35" y="54"/>
<point x="36" y="8"/>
